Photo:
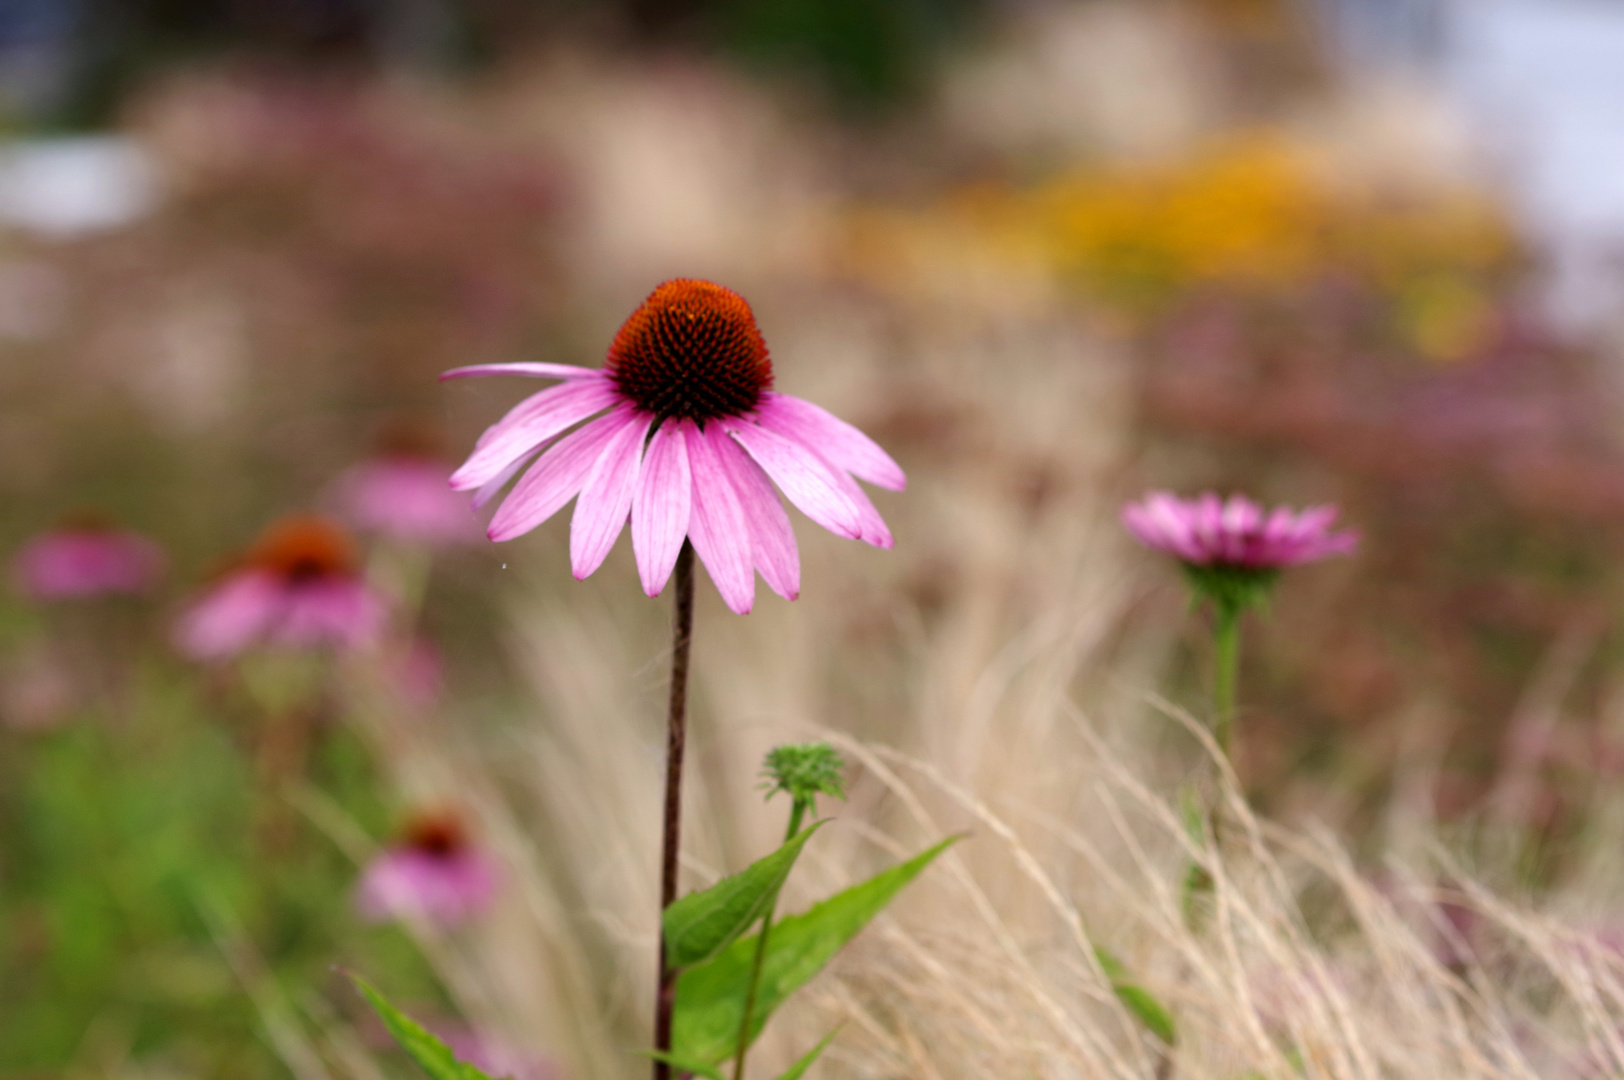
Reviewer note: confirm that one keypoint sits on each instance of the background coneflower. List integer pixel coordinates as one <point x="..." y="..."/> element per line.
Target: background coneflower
<point x="1232" y="551"/>
<point x="434" y="871"/>
<point x="299" y="586"/>
<point x="86" y="558"/>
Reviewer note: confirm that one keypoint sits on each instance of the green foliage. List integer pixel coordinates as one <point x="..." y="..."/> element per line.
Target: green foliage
<point x="805" y="771"/>
<point x="709" y="1072"/>
<point x="710" y="997"/>
<point x="124" y="826"/>
<point x="702" y="924"/>
<point x="433" y="1055"/>
<point x="1231" y="589"/>
<point x="1145" y="1006"/>
<point x="797" y="1070"/>
<point x="866" y="53"/>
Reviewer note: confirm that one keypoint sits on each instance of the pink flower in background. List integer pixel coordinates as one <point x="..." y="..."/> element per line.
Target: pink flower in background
<point x="403" y="494"/>
<point x="1235" y="533"/>
<point x="680" y="431"/>
<point x="434" y="872"/>
<point x="87" y="559"/>
<point x="298" y="587"/>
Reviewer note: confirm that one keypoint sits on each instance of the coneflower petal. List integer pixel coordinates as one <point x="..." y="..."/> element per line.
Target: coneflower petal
<point x="529" y="424"/>
<point x="717" y="525"/>
<point x="1235" y="532"/>
<point x="606" y="497"/>
<point x="844" y="445"/>
<point x="554" y="479"/>
<point x="661" y="506"/>
<point x="808" y="481"/>
<point x="492" y="487"/>
<point x="533" y="370"/>
<point x="230" y="618"/>
<point x="772" y="540"/>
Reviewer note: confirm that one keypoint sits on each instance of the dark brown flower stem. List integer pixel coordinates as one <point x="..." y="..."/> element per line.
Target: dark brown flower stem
<point x="682" y="629"/>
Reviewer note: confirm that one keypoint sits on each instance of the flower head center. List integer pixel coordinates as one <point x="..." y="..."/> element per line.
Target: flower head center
<point x="692" y="350"/>
<point x="300" y="550"/>
<point x="440" y="837"/>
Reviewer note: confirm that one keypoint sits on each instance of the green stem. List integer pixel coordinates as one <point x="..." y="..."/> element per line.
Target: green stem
<point x="1226" y="657"/>
<point x="795" y="816"/>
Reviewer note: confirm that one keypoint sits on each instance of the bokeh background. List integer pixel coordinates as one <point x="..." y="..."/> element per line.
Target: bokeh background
<point x="1050" y="254"/>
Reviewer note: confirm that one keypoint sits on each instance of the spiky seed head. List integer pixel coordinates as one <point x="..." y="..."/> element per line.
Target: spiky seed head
<point x="804" y="770"/>
<point x="691" y="351"/>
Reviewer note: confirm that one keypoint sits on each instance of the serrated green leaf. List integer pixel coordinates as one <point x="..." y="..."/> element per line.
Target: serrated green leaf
<point x="434" y="1056"/>
<point x="710" y="997"/>
<point x="703" y="923"/>
<point x="709" y="1072"/>
<point x="797" y="1070"/>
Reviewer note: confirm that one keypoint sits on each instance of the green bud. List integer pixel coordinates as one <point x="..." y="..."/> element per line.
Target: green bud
<point x="805" y="771"/>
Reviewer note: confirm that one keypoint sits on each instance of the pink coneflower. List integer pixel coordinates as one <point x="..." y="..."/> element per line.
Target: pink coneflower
<point x="680" y="431"/>
<point x="433" y="872"/>
<point x="87" y="558"/>
<point x="1236" y="533"/>
<point x="1232" y="551"/>
<point x="402" y="494"/>
<point x="298" y="587"/>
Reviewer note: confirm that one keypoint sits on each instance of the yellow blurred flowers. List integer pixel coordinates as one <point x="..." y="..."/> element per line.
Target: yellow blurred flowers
<point x="1249" y="213"/>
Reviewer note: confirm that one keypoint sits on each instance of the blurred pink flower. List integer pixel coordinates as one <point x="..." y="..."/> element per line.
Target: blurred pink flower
<point x="419" y="673"/>
<point x="495" y="1057"/>
<point x="86" y="559"/>
<point x="681" y="431"/>
<point x="405" y="497"/>
<point x="434" y="872"/>
<point x="1237" y="533"/>
<point x="299" y="586"/>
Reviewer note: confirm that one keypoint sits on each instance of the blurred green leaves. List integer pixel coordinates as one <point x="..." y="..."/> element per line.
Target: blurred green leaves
<point x="433" y="1055"/>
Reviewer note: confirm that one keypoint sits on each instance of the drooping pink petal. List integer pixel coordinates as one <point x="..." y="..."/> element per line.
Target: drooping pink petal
<point x="717" y="524"/>
<point x="534" y="370"/>
<point x="529" y="424"/>
<point x="871" y="527"/>
<point x="405" y="499"/>
<point x="843" y="445"/>
<point x="809" y="482"/>
<point x="493" y="487"/>
<point x="1237" y="532"/>
<point x="405" y="883"/>
<point x="772" y="541"/>
<point x="661" y="506"/>
<point x="606" y="497"/>
<point x="554" y="479"/>
<point x="230" y="617"/>
<point x="337" y="611"/>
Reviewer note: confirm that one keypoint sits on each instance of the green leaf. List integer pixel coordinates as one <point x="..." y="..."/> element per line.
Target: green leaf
<point x="1149" y="1011"/>
<point x="709" y="1072"/>
<point x="1115" y="970"/>
<point x="796" y="1070"/>
<point x="710" y="997"/>
<point x="1144" y="1005"/>
<point x="702" y="924"/>
<point x="434" y="1056"/>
